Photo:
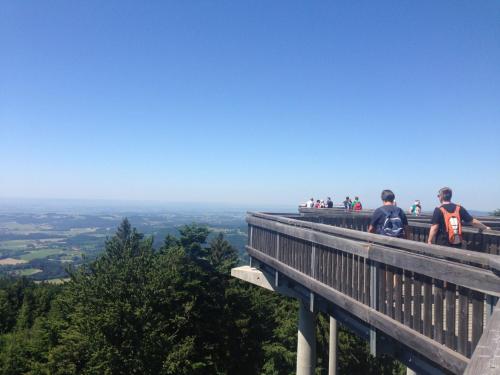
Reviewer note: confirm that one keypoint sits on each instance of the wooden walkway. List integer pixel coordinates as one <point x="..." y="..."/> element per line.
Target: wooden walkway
<point x="433" y="300"/>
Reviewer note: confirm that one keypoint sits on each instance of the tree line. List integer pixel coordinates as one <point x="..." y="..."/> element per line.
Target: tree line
<point x="171" y="310"/>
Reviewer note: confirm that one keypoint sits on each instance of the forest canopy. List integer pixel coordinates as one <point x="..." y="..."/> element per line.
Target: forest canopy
<point x="170" y="310"/>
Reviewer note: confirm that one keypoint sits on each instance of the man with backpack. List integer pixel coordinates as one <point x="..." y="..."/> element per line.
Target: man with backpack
<point x="447" y="220"/>
<point x="389" y="220"/>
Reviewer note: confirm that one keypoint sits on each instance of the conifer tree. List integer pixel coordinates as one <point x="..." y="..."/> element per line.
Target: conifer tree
<point x="222" y="256"/>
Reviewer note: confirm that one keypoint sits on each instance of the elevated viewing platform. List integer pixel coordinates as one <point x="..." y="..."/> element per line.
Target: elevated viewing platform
<point x="434" y="308"/>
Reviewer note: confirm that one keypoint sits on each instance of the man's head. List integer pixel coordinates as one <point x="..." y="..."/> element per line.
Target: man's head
<point x="445" y="194"/>
<point x="387" y="196"/>
<point x="356" y="198"/>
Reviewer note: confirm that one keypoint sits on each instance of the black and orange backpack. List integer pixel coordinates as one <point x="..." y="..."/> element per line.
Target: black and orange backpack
<point x="453" y="223"/>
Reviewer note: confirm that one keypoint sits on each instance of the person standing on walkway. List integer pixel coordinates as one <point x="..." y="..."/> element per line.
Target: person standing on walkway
<point x="329" y="202"/>
<point x="347" y="204"/>
<point x="356" y="204"/>
<point x="416" y="208"/>
<point x="389" y="220"/>
<point x="447" y="221"/>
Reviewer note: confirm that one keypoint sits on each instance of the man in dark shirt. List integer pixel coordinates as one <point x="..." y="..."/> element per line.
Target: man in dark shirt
<point x="389" y="211"/>
<point x="329" y="203"/>
<point x="438" y="229"/>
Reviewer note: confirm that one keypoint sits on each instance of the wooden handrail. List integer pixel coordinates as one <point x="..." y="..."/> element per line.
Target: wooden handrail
<point x="493" y="221"/>
<point x="431" y="298"/>
<point x="485" y="360"/>
<point x="436" y="352"/>
<point x="449" y="253"/>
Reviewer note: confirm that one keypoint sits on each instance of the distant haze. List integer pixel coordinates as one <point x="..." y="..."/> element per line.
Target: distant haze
<point x="80" y="206"/>
<point x="74" y="206"/>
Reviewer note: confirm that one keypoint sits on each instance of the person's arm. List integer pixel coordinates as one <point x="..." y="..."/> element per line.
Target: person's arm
<point x="432" y="233"/>
<point x="477" y="224"/>
<point x="373" y="221"/>
<point x="437" y="216"/>
<point x="468" y="219"/>
<point x="406" y="227"/>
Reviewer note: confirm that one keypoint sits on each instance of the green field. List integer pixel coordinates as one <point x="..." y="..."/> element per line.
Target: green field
<point x="40" y="253"/>
<point x="53" y="241"/>
<point x="15" y="244"/>
<point x="28" y="271"/>
<point x="26" y="244"/>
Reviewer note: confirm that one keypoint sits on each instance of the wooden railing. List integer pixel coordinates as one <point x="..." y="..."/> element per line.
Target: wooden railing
<point x="433" y="299"/>
<point x="487" y="241"/>
<point x="491" y="221"/>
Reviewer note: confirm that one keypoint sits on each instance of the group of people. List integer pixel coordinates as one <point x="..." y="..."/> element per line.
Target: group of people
<point x="311" y="203"/>
<point x="350" y="205"/>
<point x="355" y="205"/>
<point x="390" y="220"/>
<point x="446" y="223"/>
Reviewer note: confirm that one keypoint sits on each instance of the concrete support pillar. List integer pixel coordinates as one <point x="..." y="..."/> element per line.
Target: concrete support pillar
<point x="332" y="354"/>
<point x="306" y="341"/>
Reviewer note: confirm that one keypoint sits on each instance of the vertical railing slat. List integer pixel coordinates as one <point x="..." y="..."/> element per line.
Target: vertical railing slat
<point x="427" y="307"/>
<point x="407" y="299"/>
<point x="463" y="320"/>
<point x="381" y="288"/>
<point x="398" y="294"/>
<point x="450" y="296"/>
<point x="417" y="303"/>
<point x="477" y="317"/>
<point x="438" y="311"/>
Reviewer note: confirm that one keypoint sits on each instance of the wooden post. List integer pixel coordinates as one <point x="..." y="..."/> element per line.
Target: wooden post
<point x="306" y="341"/>
<point x="490" y="305"/>
<point x="313" y="262"/>
<point x="373" y="304"/>
<point x="278" y="246"/>
<point x="250" y="242"/>
<point x="332" y="357"/>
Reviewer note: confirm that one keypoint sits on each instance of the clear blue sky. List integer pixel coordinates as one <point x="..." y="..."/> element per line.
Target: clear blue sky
<point x="266" y="102"/>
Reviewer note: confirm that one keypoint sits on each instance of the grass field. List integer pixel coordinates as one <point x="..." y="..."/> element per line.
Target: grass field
<point x="15" y="244"/>
<point x="26" y="228"/>
<point x="40" y="253"/>
<point x="11" y="261"/>
<point x="25" y="244"/>
<point x="28" y="271"/>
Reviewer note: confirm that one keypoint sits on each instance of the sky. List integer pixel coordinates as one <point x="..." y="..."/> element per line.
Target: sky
<point x="254" y="102"/>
